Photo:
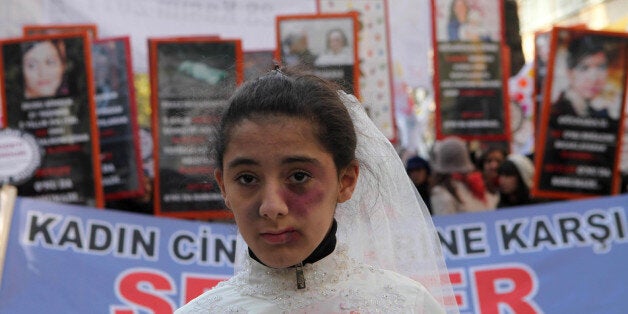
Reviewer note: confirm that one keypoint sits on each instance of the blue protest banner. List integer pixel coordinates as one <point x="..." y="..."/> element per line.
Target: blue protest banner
<point x="562" y="257"/>
<point x="70" y="259"/>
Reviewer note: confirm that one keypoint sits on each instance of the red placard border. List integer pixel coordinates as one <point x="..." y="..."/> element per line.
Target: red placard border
<point x="92" y="29"/>
<point x="350" y="15"/>
<point x="154" y="98"/>
<point x="94" y="131"/>
<point x="506" y="136"/>
<point x="134" y="124"/>
<point x="546" y="108"/>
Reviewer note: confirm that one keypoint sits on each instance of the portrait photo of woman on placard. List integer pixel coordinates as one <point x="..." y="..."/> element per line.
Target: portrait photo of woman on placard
<point x="591" y="82"/>
<point x="44" y="65"/>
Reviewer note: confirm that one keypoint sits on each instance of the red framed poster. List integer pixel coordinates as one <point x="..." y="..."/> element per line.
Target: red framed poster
<point x="323" y="44"/>
<point x="48" y="91"/>
<point x="376" y="74"/>
<point x="582" y="113"/>
<point x="191" y="81"/>
<point x="116" y="110"/>
<point x="49" y="29"/>
<point x="470" y="70"/>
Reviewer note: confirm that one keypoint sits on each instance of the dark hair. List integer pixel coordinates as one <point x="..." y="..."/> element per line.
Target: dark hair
<point x="60" y="48"/>
<point x="521" y="195"/>
<point x="417" y="163"/>
<point x="57" y="43"/>
<point x="582" y="47"/>
<point x="301" y="96"/>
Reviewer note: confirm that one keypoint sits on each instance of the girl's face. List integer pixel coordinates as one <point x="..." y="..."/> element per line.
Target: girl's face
<point x="43" y="70"/>
<point x="282" y="187"/>
<point x="589" y="76"/>
<point x="507" y="183"/>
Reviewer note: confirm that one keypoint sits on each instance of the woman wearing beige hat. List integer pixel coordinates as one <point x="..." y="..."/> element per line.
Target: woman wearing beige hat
<point x="458" y="185"/>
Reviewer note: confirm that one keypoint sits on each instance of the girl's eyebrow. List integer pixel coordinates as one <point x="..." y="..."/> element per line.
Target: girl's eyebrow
<point x="296" y="159"/>
<point x="241" y="161"/>
<point x="288" y="160"/>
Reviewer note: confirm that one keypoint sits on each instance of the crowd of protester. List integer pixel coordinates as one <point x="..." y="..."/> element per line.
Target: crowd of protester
<point x="455" y="179"/>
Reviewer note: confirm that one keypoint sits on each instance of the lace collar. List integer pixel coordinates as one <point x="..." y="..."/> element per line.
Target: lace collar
<point x="279" y="286"/>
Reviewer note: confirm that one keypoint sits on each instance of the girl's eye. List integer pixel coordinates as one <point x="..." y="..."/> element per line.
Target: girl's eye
<point x="245" y="179"/>
<point x="299" y="177"/>
<point x="51" y="62"/>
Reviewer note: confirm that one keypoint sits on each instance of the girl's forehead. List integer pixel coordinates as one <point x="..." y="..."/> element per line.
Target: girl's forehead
<point x="281" y="126"/>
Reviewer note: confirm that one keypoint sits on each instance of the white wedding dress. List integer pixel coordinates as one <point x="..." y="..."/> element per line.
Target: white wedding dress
<point x="334" y="284"/>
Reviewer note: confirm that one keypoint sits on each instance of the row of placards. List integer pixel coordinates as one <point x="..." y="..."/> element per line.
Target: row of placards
<point x="87" y="156"/>
<point x="580" y="91"/>
<point x="71" y="93"/>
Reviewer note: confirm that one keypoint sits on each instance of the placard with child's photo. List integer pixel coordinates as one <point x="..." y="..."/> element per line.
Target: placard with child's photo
<point x="191" y="79"/>
<point x="48" y="91"/>
<point x="322" y="44"/>
<point x="583" y="106"/>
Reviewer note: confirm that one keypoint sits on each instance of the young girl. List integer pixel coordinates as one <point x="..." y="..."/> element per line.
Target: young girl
<point x="329" y="220"/>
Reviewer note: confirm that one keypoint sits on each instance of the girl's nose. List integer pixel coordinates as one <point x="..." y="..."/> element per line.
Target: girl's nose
<point x="273" y="202"/>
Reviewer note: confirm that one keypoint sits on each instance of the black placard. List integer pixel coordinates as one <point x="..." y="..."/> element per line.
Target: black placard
<point x="583" y="106"/>
<point x="48" y="92"/>
<point x="191" y="80"/>
<point x="117" y="119"/>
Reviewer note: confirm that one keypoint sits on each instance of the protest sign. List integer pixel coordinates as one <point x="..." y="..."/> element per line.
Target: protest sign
<point x="191" y="81"/>
<point x="520" y="260"/>
<point x="322" y="44"/>
<point x="48" y="91"/>
<point x="470" y="72"/>
<point x="578" y="151"/>
<point x="121" y="162"/>
<point x="375" y="66"/>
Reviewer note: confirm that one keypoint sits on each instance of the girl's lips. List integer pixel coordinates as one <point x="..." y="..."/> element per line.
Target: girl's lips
<point x="281" y="237"/>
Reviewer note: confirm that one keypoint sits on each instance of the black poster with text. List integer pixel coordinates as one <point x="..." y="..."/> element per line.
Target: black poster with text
<point x="191" y="80"/>
<point x="117" y="119"/>
<point x="48" y="92"/>
<point x="583" y="110"/>
<point x="470" y="76"/>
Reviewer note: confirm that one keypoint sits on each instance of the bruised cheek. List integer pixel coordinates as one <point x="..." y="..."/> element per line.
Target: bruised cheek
<point x="305" y="202"/>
